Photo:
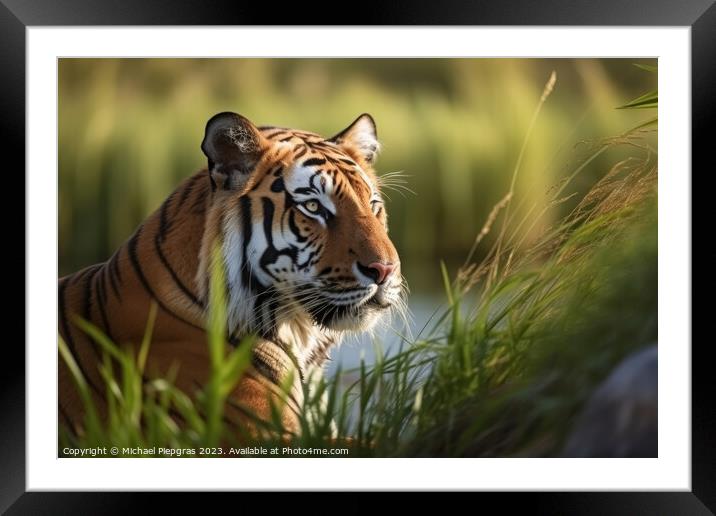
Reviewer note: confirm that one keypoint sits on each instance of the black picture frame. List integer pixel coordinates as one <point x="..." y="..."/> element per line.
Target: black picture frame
<point x="17" y="15"/>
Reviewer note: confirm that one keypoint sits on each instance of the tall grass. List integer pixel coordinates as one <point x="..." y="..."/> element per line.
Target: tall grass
<point x="528" y="332"/>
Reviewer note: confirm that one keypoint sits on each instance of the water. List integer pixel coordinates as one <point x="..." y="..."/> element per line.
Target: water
<point x="425" y="310"/>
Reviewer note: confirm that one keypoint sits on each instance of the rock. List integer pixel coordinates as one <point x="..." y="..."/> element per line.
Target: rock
<point x="620" y="418"/>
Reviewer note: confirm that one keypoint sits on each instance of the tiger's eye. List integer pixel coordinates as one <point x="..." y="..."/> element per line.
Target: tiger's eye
<point x="312" y="206"/>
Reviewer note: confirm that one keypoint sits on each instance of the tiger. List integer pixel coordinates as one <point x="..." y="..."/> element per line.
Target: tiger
<point x="301" y="229"/>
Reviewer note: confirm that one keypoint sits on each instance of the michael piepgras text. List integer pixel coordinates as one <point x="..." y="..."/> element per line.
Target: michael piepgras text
<point x="215" y="451"/>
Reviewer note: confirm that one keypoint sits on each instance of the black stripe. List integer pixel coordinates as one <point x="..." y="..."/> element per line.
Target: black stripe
<point x="199" y="204"/>
<point x="103" y="284"/>
<point x="313" y="161"/>
<point x="275" y="133"/>
<point x="298" y="132"/>
<point x="307" y="263"/>
<point x="305" y="190"/>
<point x="87" y="307"/>
<point x="102" y="301"/>
<point x="185" y="193"/>
<point x="164" y="223"/>
<point x="303" y="150"/>
<point x="89" y="290"/>
<point x="117" y="270"/>
<point x="264" y="369"/>
<point x="294" y="227"/>
<point x="331" y="160"/>
<point x="278" y="185"/>
<point x="245" y="205"/>
<point x="316" y="177"/>
<point x="268" y="210"/>
<point x="132" y="249"/>
<point x="94" y="290"/>
<point x="269" y="256"/>
<point x="68" y="337"/>
<point x="114" y="274"/>
<point x="188" y="293"/>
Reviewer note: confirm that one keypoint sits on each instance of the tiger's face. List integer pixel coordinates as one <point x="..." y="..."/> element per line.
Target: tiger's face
<point x="305" y="223"/>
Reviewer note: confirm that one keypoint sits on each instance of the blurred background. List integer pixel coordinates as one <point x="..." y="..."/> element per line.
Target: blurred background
<point x="130" y="130"/>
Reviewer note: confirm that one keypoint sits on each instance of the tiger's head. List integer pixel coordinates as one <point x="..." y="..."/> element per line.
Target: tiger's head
<point x="302" y="223"/>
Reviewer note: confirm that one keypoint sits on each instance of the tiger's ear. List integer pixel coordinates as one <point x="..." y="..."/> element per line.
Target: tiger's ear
<point x="361" y="137"/>
<point x="233" y="146"/>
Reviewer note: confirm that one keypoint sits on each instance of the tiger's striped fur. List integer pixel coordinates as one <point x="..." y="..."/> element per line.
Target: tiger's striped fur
<point x="303" y="235"/>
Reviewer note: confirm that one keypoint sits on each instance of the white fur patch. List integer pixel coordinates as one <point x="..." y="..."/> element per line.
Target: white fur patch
<point x="240" y="307"/>
<point x="300" y="177"/>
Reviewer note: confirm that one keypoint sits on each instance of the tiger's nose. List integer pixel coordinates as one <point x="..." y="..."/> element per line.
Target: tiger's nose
<point x="377" y="271"/>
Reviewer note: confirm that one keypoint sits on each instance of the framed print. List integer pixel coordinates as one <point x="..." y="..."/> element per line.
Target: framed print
<point x="439" y="257"/>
